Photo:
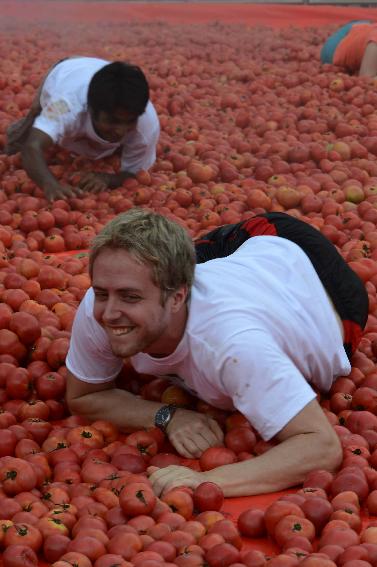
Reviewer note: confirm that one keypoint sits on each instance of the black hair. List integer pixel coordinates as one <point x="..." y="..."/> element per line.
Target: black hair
<point x="118" y="86"/>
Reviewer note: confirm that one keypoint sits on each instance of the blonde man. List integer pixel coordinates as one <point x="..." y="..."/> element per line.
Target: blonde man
<point x="252" y="327"/>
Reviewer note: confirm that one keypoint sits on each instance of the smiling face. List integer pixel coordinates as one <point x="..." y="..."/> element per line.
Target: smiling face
<point x="128" y="305"/>
<point x="113" y="127"/>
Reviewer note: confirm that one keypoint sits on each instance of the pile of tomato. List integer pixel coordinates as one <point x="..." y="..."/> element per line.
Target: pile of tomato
<point x="250" y="122"/>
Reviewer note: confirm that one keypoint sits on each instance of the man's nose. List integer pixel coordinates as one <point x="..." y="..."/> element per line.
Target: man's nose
<point x="111" y="311"/>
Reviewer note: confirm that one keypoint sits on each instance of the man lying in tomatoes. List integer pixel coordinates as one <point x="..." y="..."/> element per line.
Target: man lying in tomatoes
<point x="92" y="108"/>
<point x="267" y="309"/>
<point x="354" y="47"/>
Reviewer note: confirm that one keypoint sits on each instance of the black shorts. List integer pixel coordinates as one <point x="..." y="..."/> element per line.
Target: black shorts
<point x="344" y="287"/>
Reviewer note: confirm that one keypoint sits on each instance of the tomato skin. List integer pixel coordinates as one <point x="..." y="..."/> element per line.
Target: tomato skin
<point x="251" y="523"/>
<point x="109" y="430"/>
<point x="278" y="510"/>
<point x="137" y="498"/>
<point x="26" y="326"/>
<point x="162" y="460"/>
<point x="16" y="475"/>
<point x="33" y="409"/>
<point x="110" y="560"/>
<point x="180" y="502"/>
<point x="222" y="555"/>
<point x="293" y="525"/>
<point x="240" y="439"/>
<point x="87" y="435"/>
<point x="208" y="496"/>
<point x="75" y="559"/>
<point x="215" y="457"/>
<point x="144" y="442"/>
<point x="19" y="384"/>
<point x="88" y="546"/>
<point x="228" y="530"/>
<point x="19" y="556"/>
<point x="125" y="544"/>
<point x="50" y="385"/>
<point x="23" y="534"/>
<point x="8" y="442"/>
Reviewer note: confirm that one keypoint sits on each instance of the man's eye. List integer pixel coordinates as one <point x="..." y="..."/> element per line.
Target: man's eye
<point x="131" y="298"/>
<point x="100" y="296"/>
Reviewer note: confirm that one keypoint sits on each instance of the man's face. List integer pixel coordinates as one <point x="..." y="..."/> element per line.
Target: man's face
<point x="113" y="127"/>
<point x="128" y="304"/>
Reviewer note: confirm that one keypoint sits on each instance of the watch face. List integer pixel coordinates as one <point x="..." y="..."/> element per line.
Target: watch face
<point x="163" y="416"/>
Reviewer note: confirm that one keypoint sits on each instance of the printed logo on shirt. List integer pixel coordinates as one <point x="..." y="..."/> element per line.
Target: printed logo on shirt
<point x="55" y="109"/>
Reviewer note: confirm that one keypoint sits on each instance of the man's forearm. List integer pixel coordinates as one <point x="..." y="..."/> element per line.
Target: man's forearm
<point x="122" y="408"/>
<point x="35" y="166"/>
<point x="283" y="466"/>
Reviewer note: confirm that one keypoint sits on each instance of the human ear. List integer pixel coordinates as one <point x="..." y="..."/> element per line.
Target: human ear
<point x="179" y="298"/>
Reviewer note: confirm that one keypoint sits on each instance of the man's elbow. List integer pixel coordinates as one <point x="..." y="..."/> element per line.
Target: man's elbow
<point x="330" y="453"/>
<point x="72" y="406"/>
<point x="77" y="406"/>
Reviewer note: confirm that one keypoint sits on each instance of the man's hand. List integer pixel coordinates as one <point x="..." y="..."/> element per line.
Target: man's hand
<point x="165" y="479"/>
<point x="94" y="182"/>
<point x="191" y="433"/>
<point x="55" y="190"/>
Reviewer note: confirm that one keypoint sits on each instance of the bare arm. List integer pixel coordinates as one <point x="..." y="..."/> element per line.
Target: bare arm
<point x="368" y="66"/>
<point x="190" y="432"/>
<point x="105" y="401"/>
<point x="34" y="163"/>
<point x="307" y="442"/>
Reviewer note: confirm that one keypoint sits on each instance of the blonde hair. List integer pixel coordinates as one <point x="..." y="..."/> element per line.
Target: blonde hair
<point x="155" y="240"/>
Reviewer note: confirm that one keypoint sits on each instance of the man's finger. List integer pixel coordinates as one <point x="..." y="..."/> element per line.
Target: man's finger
<point x="216" y="429"/>
<point x="85" y="179"/>
<point x="180" y="448"/>
<point x="99" y="186"/>
<point x="68" y="191"/>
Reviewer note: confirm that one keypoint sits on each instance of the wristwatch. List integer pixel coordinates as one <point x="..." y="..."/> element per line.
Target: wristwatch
<point x="163" y="416"/>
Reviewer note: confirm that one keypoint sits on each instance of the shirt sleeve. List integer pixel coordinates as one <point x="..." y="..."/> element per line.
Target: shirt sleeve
<point x="140" y="153"/>
<point x="89" y="357"/>
<point x="56" y="119"/>
<point x="263" y="383"/>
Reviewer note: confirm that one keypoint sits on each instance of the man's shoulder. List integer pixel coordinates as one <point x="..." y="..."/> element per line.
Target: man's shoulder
<point x="72" y="76"/>
<point x="148" y="120"/>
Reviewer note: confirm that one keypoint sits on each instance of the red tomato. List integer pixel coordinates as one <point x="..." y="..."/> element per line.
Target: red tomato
<point x="251" y="523"/>
<point x="26" y="326"/>
<point x="222" y="555"/>
<point x="50" y="385"/>
<point x="144" y="442"/>
<point x="228" y="530"/>
<point x="8" y="442"/>
<point x="17" y="475"/>
<point x="137" y="498"/>
<point x="179" y="501"/>
<point x="293" y="525"/>
<point x="208" y="496"/>
<point x="19" y="555"/>
<point x="23" y="534"/>
<point x="240" y="439"/>
<point x="216" y="457"/>
<point x="277" y="510"/>
<point x="87" y="435"/>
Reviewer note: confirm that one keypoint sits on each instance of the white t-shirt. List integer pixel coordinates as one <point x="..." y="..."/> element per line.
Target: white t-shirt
<point x="65" y="117"/>
<point x="260" y="328"/>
